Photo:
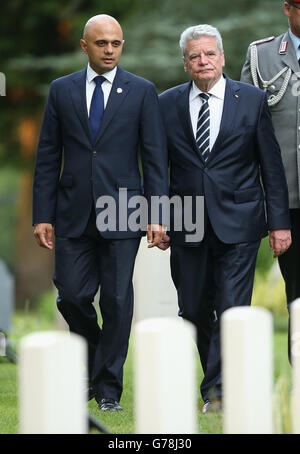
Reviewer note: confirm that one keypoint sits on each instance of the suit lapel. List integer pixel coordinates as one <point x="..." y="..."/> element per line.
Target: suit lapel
<point x="119" y="91"/>
<point x="290" y="57"/>
<point x="183" y="108"/>
<point x="78" y="94"/>
<point x="230" y="108"/>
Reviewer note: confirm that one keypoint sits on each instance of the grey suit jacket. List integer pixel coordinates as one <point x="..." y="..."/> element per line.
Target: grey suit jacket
<point x="275" y="55"/>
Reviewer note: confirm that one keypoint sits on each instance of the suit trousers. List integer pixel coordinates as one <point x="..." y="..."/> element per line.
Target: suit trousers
<point x="289" y="264"/>
<point x="82" y="265"/>
<point x="209" y="279"/>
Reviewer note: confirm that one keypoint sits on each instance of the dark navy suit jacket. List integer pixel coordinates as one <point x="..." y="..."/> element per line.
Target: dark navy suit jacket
<point x="243" y="180"/>
<point x="72" y="172"/>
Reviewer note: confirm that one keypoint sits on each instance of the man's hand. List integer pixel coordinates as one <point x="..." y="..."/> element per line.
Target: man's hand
<point x="44" y="235"/>
<point x="165" y="243"/>
<point x="155" y="234"/>
<point x="280" y="241"/>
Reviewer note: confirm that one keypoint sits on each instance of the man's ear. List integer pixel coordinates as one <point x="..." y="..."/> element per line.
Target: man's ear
<point x="287" y="9"/>
<point x="83" y="45"/>
<point x="184" y="64"/>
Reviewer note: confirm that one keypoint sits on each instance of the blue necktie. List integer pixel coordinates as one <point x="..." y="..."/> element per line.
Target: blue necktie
<point x="203" y="127"/>
<point x="97" y="106"/>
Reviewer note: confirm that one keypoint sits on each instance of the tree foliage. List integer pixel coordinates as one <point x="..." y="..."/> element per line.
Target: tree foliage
<point x="40" y="41"/>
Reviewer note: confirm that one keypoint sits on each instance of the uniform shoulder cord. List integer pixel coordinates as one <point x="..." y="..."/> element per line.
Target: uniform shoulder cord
<point x="255" y="73"/>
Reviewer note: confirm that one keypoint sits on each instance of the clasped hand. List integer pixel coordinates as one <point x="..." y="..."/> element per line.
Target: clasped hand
<point x="155" y="235"/>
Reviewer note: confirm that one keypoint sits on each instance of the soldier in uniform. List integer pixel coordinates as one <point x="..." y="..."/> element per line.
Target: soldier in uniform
<point x="273" y="65"/>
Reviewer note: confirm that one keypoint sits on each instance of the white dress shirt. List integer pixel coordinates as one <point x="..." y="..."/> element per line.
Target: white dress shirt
<point x="216" y="103"/>
<point x="106" y="86"/>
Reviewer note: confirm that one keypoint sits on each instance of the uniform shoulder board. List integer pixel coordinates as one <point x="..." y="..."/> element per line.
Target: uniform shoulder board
<point x="261" y="41"/>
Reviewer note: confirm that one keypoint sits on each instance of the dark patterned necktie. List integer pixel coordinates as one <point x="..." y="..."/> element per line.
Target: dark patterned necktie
<point x="203" y="127"/>
<point x="97" y="106"/>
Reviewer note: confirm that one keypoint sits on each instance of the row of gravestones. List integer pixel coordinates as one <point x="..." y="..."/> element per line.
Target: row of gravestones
<point x="163" y="303"/>
<point x="164" y="362"/>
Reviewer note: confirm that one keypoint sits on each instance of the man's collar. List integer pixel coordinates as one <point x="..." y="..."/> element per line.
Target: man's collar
<point x="91" y="74"/>
<point x="218" y="90"/>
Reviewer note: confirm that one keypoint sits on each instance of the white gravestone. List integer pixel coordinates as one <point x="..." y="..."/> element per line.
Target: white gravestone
<point x="165" y="377"/>
<point x="247" y="370"/>
<point x="51" y="373"/>
<point x="154" y="292"/>
<point x="2" y="84"/>
<point x="295" y="353"/>
<point x="6" y="298"/>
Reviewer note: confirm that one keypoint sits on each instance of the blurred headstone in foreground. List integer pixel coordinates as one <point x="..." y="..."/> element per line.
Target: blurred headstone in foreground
<point x="51" y="373"/>
<point x="165" y="377"/>
<point x="247" y="370"/>
<point x="295" y="353"/>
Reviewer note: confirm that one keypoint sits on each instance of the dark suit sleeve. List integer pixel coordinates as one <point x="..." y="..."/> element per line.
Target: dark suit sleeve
<point x="272" y="171"/>
<point x="48" y="164"/>
<point x="153" y="151"/>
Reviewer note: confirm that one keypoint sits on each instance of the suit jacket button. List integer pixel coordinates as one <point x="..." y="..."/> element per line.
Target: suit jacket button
<point x="94" y="152"/>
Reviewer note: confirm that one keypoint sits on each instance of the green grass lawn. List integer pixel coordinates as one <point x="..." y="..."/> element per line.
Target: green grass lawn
<point x="123" y="422"/>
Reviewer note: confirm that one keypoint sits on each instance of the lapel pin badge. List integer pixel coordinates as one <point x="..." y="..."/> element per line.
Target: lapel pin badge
<point x="119" y="90"/>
